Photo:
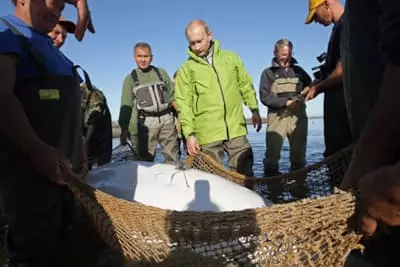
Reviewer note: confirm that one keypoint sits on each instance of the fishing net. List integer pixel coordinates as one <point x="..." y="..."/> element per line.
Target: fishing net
<point x="306" y="232"/>
<point x="313" y="181"/>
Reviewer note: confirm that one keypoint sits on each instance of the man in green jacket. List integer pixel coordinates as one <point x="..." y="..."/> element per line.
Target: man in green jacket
<point x="210" y="89"/>
<point x="146" y="109"/>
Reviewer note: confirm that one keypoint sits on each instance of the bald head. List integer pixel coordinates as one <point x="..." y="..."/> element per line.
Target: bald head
<point x="197" y="24"/>
<point x="199" y="37"/>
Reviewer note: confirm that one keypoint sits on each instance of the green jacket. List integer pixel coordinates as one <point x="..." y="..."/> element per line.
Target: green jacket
<point x="128" y="117"/>
<point x="210" y="97"/>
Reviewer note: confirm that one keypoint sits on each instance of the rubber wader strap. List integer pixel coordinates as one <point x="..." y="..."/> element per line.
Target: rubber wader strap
<point x="36" y="55"/>
<point x="135" y="77"/>
<point x="87" y="81"/>
<point x="158" y="73"/>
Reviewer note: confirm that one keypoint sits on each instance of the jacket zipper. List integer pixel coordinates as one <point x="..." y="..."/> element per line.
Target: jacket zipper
<point x="197" y="98"/>
<point x="223" y="97"/>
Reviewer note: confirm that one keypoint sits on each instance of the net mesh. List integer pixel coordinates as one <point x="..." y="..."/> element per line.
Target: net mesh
<point x="307" y="228"/>
<point x="312" y="181"/>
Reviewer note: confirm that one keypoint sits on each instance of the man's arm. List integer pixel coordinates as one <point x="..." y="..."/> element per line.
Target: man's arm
<point x="379" y="142"/>
<point x="125" y="112"/>
<point x="184" y="98"/>
<point x="246" y="86"/>
<point x="331" y="82"/>
<point x="268" y="98"/>
<point x="334" y="79"/>
<point x="16" y="126"/>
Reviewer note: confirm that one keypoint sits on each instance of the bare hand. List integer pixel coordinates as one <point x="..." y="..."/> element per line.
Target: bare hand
<point x="305" y="91"/>
<point x="310" y="92"/>
<point x="257" y="122"/>
<point x="291" y="103"/>
<point x="84" y="19"/>
<point x="192" y="145"/>
<point x="379" y="200"/>
<point x="52" y="163"/>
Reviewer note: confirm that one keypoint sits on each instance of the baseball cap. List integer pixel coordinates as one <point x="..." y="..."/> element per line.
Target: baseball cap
<point x="67" y="24"/>
<point x="312" y="7"/>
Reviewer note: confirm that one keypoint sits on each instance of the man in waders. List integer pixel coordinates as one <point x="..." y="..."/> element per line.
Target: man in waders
<point x="97" y="123"/>
<point x="146" y="109"/>
<point x="371" y="46"/>
<point x="280" y="90"/>
<point x="211" y="87"/>
<point x="40" y="132"/>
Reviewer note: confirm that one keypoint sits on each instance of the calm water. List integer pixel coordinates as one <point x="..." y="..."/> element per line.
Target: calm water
<point x="315" y="146"/>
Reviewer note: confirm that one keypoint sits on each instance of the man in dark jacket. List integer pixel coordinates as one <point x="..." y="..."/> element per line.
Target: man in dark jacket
<point x="280" y="90"/>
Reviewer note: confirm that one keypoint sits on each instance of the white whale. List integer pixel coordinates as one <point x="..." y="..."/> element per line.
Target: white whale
<point x="167" y="187"/>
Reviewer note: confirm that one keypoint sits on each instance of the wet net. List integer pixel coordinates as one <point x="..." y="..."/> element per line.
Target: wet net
<point x="308" y="229"/>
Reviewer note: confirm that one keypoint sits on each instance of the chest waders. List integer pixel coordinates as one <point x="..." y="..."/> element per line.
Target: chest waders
<point x="32" y="204"/>
<point x="155" y="119"/>
<point x="286" y="122"/>
<point x="151" y="99"/>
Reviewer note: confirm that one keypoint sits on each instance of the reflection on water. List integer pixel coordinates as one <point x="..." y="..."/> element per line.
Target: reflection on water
<point x="315" y="146"/>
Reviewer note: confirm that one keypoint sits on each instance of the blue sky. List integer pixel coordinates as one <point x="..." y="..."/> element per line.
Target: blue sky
<point x="249" y="28"/>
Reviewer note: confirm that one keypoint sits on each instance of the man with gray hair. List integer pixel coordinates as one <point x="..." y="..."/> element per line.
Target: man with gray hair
<point x="211" y="87"/>
<point x="146" y="114"/>
<point x="280" y="90"/>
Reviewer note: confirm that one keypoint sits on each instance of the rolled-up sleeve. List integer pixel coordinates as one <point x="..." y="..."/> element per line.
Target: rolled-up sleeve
<point x="389" y="23"/>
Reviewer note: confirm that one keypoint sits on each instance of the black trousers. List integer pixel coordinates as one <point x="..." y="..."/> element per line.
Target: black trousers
<point x="33" y="209"/>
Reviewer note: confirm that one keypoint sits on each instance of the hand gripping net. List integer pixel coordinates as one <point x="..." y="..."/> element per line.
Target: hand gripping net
<point x="307" y="232"/>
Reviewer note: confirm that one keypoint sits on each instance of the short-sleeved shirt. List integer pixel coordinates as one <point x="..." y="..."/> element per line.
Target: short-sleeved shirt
<point x="337" y="132"/>
<point x="333" y="53"/>
<point x="54" y="60"/>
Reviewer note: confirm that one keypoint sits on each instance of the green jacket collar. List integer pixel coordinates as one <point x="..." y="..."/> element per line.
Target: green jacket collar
<point x="200" y="59"/>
